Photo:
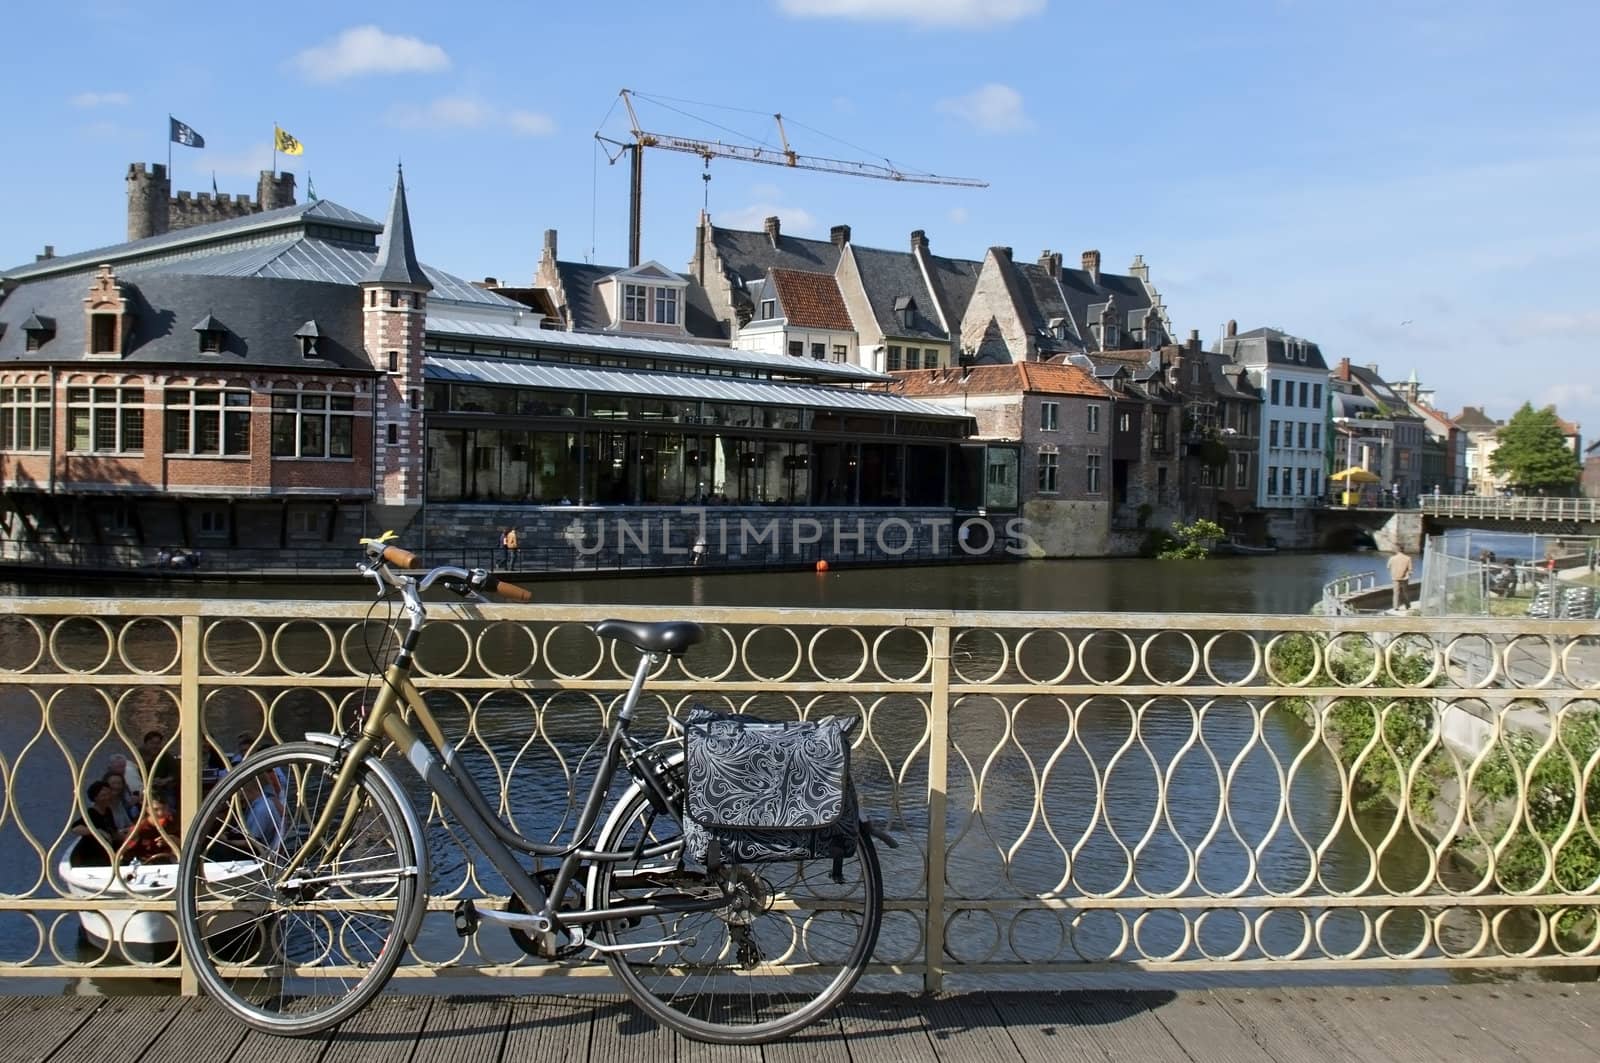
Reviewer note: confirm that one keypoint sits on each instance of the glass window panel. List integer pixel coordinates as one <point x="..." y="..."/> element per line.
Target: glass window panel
<point x="236" y="434"/>
<point x="283" y="435"/>
<point x="341" y="438"/>
<point x="313" y="433"/>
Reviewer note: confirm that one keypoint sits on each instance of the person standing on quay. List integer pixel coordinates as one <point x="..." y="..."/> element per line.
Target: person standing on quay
<point x="511" y="549"/>
<point x="1400" y="572"/>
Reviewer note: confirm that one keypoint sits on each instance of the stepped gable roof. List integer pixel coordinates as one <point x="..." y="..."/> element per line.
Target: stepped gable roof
<point x="396" y="261"/>
<point x="1042" y="378"/>
<point x="888" y="278"/>
<point x="1086" y="297"/>
<point x="749" y="255"/>
<point x="811" y="300"/>
<point x="586" y="310"/>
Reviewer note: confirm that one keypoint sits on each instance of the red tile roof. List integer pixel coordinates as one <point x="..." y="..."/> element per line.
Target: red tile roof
<point x="1040" y="378"/>
<point x="811" y="300"/>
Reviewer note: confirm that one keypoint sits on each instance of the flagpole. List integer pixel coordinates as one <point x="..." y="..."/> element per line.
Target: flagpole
<point x="169" y="145"/>
<point x="274" y="149"/>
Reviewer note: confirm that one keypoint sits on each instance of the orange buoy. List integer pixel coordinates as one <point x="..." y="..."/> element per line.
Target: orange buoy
<point x="822" y="566"/>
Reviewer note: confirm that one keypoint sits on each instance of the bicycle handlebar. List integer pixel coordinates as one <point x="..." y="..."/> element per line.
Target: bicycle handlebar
<point x="476" y="579"/>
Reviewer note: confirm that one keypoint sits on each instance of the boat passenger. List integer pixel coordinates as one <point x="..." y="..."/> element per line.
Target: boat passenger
<point x="149" y="841"/>
<point x="98" y="836"/>
<point x="123" y="813"/>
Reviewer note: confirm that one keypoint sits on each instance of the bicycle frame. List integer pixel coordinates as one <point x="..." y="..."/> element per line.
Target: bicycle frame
<point x="458" y="792"/>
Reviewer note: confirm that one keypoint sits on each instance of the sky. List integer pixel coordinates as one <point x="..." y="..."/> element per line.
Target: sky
<point x="1410" y="183"/>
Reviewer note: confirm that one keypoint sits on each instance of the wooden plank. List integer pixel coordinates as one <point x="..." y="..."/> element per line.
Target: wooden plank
<point x="387" y="1028"/>
<point x="464" y="1030"/>
<point x="1205" y="1031"/>
<point x="1374" y="1018"/>
<point x="37" y="1026"/>
<point x="202" y="1029"/>
<point x="966" y="1028"/>
<point x="1538" y="1014"/>
<point x="550" y="1029"/>
<point x="821" y="1042"/>
<point x="123" y="1028"/>
<point x="1285" y="1032"/>
<point x="886" y="1028"/>
<point x="1041" y="1028"/>
<point x="1123" y="1024"/>
<point x="624" y="1034"/>
<point x="259" y="1047"/>
<point x="1499" y="1032"/>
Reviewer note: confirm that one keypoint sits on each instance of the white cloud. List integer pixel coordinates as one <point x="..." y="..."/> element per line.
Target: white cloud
<point x="993" y="108"/>
<point x="100" y="99"/>
<point x="754" y="216"/>
<point x="470" y="112"/>
<point x="959" y="215"/>
<point x="1569" y="396"/>
<point x="917" y="12"/>
<point x="369" y="50"/>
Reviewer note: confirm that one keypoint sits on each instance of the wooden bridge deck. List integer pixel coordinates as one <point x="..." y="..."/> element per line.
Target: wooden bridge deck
<point x="1546" y="1022"/>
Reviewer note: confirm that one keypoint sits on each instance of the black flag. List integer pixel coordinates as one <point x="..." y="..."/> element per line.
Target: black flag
<point x="182" y="134"/>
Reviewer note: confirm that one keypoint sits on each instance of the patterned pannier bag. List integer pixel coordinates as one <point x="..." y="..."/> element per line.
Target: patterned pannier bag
<point x="761" y="792"/>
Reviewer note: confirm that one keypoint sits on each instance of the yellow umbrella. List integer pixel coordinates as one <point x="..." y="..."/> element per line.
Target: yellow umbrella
<point x="1355" y="475"/>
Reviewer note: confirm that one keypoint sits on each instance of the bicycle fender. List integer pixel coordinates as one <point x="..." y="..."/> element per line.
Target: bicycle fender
<point x="419" y="842"/>
<point x="613" y="822"/>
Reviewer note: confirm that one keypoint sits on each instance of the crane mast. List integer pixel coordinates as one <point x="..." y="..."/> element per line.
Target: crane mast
<point x="716" y="149"/>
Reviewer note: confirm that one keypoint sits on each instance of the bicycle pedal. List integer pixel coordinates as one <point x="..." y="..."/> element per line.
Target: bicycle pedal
<point x="466" y="917"/>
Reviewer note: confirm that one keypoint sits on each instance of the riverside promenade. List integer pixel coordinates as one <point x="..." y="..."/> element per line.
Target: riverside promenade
<point x="1544" y="1021"/>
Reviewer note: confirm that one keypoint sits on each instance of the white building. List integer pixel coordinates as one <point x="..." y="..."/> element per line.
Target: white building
<point x="1293" y="380"/>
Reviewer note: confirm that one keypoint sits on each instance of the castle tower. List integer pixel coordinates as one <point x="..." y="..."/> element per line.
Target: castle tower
<point x="275" y="190"/>
<point x="148" y="192"/>
<point x="394" y="295"/>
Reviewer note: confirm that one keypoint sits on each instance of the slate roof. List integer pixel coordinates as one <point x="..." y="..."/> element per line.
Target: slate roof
<point x="586" y="311"/>
<point x="953" y="281"/>
<point x="396" y="261"/>
<point x="1012" y="378"/>
<point x="890" y="275"/>
<point x="750" y="255"/>
<point x="1085" y="296"/>
<point x="1269" y="346"/>
<point x="811" y="300"/>
<point x="1044" y="303"/>
<point x="1473" y="419"/>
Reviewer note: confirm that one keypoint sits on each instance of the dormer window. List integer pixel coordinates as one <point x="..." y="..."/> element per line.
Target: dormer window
<point x="1058" y="328"/>
<point x="212" y="334"/>
<point x="308" y="336"/>
<point x="39" y="331"/>
<point x="634" y="303"/>
<point x="904" y="308"/>
<point x="769" y="309"/>
<point x="666" y="306"/>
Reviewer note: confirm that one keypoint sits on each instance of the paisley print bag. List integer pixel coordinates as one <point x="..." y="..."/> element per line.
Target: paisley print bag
<point x="762" y="792"/>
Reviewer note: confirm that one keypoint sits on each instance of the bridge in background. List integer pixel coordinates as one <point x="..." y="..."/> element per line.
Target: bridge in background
<point x="1340" y="527"/>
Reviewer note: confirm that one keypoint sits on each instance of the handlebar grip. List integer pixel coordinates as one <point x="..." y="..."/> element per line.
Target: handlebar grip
<point x="509" y="591"/>
<point x="393" y="555"/>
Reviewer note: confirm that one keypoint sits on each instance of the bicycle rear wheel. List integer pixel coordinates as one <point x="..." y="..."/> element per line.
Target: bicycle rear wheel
<point x="299" y="958"/>
<point x="755" y="971"/>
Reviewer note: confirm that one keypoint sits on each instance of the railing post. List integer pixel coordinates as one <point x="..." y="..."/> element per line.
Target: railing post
<point x="938" y="795"/>
<point x="191" y="755"/>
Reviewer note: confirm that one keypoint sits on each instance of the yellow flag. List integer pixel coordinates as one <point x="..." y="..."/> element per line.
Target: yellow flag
<point x="286" y="143"/>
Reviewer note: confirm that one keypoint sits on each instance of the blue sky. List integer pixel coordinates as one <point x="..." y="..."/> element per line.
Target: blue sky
<point x="1408" y="183"/>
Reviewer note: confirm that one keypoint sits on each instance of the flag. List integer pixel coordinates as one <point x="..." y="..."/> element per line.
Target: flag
<point x="185" y="135"/>
<point x="214" y="184"/>
<point x="311" y="188"/>
<point x="286" y="143"/>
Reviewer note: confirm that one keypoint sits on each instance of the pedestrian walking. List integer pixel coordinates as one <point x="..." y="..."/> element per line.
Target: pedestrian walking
<point x="502" y="556"/>
<point x="1400" y="571"/>
<point x="512" y="546"/>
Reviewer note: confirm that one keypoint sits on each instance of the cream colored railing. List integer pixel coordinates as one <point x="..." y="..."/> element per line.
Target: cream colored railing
<point x="1080" y="794"/>
<point x="1519" y="507"/>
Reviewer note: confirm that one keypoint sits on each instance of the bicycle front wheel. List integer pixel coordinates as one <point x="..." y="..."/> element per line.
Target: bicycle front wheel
<point x="775" y="960"/>
<point x="297" y="956"/>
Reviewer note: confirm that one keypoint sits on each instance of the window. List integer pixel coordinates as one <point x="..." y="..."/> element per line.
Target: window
<point x="913" y="358"/>
<point x="392" y="434"/>
<point x="211" y="341"/>
<point x="1305" y="393"/>
<point x="1205" y="476"/>
<point x="930" y="358"/>
<point x="1049" y="415"/>
<point x="819" y="351"/>
<point x="1091" y="470"/>
<point x="1300" y="435"/>
<point x="666" y="306"/>
<point x="207" y="421"/>
<point x="416" y="399"/>
<point x="1158" y="430"/>
<point x="838" y="352"/>
<point x="103" y="335"/>
<point x="1275" y="384"/>
<point x="105" y="420"/>
<point x="25" y="418"/>
<point x="1316" y="481"/>
<point x="394" y="300"/>
<point x="309" y="424"/>
<point x="1113" y="339"/>
<point x="394" y="361"/>
<point x="1316" y="395"/>
<point x="894" y="357"/>
<point x="998" y="473"/>
<point x="769" y="309"/>
<point x="1316" y="437"/>
<point x="1124" y="422"/>
<point x="1094" y="418"/>
<point x="797" y="348"/>
<point x="1272" y="434"/>
<point x="1047" y="471"/>
<point x="1241" y="470"/>
<point x="1300" y="482"/>
<point x="213" y="521"/>
<point x="1272" y="479"/>
<point x="633" y="302"/>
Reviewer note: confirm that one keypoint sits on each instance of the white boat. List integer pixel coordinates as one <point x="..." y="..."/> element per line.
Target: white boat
<point x="143" y="936"/>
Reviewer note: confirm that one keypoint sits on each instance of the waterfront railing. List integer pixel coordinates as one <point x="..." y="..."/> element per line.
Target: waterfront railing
<point x="1098" y="797"/>
<point x="1519" y="507"/>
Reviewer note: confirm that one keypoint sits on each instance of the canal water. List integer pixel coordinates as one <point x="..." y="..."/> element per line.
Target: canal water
<point x="1281" y="584"/>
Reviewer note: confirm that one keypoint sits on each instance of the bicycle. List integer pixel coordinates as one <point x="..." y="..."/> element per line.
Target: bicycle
<point x="304" y="877"/>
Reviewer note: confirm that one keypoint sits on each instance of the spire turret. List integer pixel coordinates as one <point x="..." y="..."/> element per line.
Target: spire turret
<point x="396" y="265"/>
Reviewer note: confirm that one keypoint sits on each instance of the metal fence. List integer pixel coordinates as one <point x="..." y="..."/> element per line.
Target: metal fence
<point x="1513" y="508"/>
<point x="1521" y="575"/>
<point x="1083" y="795"/>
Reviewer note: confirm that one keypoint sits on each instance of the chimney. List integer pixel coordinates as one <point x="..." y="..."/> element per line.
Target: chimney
<point x="840" y="235"/>
<point x="1343" y="371"/>
<point x="550" y="244"/>
<point x="919" y="240"/>
<point x="1139" y="269"/>
<point x="1372" y="367"/>
<point x="773" y="230"/>
<point x="1004" y="252"/>
<point x="490" y="282"/>
<point x="49" y="252"/>
<point x="1091" y="265"/>
<point x="1194" y="340"/>
<point x="1233" y="328"/>
<point x="1050" y="262"/>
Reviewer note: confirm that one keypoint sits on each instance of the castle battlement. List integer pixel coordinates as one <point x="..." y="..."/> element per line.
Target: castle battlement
<point x="154" y="209"/>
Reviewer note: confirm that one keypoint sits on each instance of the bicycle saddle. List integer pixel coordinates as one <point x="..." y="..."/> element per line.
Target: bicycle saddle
<point x="668" y="636"/>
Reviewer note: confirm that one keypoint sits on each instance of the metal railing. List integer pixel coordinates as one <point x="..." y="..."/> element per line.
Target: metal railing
<point x="1337" y="593"/>
<point x="1514" y="508"/>
<point x="1074" y="794"/>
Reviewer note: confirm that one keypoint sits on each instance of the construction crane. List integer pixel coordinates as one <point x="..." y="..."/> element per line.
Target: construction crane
<point x="716" y="149"/>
